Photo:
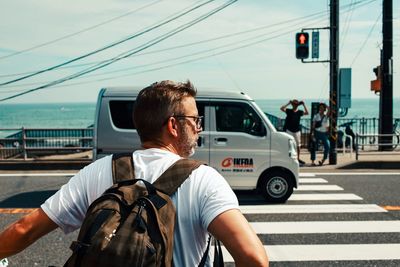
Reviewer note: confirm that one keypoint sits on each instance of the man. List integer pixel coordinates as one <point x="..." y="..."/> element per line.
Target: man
<point x="292" y="122"/>
<point x="168" y="124"/>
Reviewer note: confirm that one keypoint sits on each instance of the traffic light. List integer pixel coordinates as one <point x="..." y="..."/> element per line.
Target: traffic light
<point x="302" y="47"/>
<point x="376" y="85"/>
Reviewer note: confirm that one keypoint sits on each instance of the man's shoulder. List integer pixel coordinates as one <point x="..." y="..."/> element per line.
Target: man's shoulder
<point x="205" y="169"/>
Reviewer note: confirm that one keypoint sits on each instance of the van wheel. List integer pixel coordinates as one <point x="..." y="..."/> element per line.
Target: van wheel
<point x="276" y="186"/>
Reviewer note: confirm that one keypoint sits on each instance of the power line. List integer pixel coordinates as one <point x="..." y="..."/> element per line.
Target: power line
<point x="192" y="60"/>
<point x="108" y="46"/>
<point x="351" y="7"/>
<point x="219" y="53"/>
<point x="177" y="30"/>
<point x="152" y="42"/>
<point x="184" y="45"/>
<point x="366" y="39"/>
<point x="187" y="61"/>
<point x="296" y="20"/>
<point x="79" y="32"/>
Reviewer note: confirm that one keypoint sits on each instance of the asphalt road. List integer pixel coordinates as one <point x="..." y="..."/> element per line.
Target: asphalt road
<point x="333" y="219"/>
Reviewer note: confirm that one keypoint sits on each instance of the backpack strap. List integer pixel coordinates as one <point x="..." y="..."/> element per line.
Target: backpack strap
<point x="175" y="175"/>
<point x="122" y="167"/>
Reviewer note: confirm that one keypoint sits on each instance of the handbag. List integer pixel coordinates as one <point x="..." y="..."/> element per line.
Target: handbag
<point x="218" y="256"/>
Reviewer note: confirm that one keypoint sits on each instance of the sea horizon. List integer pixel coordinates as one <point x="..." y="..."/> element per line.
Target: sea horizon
<point x="81" y="114"/>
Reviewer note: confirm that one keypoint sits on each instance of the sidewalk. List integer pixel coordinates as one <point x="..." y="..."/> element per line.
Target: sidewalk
<point x="368" y="161"/>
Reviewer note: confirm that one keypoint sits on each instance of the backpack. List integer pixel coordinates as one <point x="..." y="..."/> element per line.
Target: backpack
<point x="131" y="224"/>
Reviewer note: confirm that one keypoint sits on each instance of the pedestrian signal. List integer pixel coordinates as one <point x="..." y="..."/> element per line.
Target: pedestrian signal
<point x="302" y="46"/>
<point x="376" y="85"/>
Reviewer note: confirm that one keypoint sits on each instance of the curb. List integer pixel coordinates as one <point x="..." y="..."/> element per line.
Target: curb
<point x="44" y="165"/>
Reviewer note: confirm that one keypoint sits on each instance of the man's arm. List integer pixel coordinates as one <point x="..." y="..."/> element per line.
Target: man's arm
<point x="305" y="108"/>
<point x="19" y="235"/>
<point x="232" y="228"/>
<point x="283" y="108"/>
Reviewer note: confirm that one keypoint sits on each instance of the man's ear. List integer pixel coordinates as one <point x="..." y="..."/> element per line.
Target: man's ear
<point x="172" y="126"/>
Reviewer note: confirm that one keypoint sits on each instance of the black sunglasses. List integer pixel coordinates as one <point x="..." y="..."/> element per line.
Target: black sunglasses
<point x="197" y="119"/>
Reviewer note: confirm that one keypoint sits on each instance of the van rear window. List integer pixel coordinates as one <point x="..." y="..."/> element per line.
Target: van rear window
<point x="122" y="114"/>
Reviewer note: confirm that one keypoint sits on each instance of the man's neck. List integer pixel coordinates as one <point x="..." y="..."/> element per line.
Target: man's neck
<point x="160" y="145"/>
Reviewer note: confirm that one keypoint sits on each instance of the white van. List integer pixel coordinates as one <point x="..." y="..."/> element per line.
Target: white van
<point x="237" y="139"/>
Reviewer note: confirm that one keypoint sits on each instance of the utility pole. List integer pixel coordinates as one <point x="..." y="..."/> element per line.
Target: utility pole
<point x="386" y="94"/>
<point x="334" y="69"/>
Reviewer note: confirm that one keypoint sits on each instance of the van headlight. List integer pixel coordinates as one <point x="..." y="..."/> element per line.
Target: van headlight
<point x="292" y="149"/>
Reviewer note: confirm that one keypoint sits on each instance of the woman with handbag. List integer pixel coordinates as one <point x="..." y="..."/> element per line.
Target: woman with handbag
<point x="319" y="132"/>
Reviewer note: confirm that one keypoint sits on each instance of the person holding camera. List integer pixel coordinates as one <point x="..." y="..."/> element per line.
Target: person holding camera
<point x="319" y="132"/>
<point x="292" y="122"/>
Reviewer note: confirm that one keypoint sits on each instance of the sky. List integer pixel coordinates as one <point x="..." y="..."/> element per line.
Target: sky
<point x="247" y="46"/>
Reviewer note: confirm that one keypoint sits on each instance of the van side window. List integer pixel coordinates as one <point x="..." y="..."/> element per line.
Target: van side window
<point x="200" y="109"/>
<point x="238" y="118"/>
<point x="122" y="114"/>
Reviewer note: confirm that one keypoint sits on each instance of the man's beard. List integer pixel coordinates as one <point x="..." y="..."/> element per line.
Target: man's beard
<point x="186" y="143"/>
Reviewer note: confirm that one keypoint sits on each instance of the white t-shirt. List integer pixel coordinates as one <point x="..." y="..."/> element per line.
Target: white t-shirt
<point x="202" y="197"/>
<point x="324" y="125"/>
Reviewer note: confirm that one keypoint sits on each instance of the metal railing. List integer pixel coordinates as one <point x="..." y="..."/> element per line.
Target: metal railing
<point x="361" y="126"/>
<point x="24" y="143"/>
<point x="378" y="143"/>
<point x="365" y="128"/>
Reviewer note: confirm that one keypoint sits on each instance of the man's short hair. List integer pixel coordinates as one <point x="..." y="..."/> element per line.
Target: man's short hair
<point x="156" y="103"/>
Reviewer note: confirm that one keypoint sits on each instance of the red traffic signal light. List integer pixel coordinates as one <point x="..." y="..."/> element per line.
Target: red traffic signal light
<point x="302" y="45"/>
<point x="376" y="85"/>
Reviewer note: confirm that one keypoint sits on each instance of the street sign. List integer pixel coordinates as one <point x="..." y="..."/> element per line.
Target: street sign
<point x="315" y="44"/>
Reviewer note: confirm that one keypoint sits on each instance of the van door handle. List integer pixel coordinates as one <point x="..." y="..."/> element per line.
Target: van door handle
<point x="221" y="140"/>
<point x="200" y="141"/>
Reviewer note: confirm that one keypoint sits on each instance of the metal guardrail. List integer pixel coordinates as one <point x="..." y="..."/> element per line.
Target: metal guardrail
<point x="24" y="143"/>
<point x="377" y="143"/>
<point x="361" y="126"/>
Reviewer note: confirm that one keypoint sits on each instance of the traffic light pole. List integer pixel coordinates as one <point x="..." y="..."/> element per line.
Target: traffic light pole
<point x="386" y="94"/>
<point x="334" y="69"/>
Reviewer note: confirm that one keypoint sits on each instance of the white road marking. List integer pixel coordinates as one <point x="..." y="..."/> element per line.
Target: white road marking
<point x="323" y="227"/>
<point x="312" y="181"/>
<point x="340" y="196"/>
<point x="328" y="252"/>
<point x="328" y="187"/>
<point x="320" y="208"/>
<point x="306" y="174"/>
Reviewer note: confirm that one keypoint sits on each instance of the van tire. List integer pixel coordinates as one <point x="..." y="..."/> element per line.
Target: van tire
<point x="276" y="186"/>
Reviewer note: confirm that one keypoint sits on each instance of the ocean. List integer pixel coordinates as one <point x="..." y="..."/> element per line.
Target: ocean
<point x="81" y="115"/>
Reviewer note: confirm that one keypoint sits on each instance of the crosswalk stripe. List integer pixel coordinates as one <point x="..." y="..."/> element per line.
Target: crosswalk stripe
<point x="306" y="174"/>
<point x="319" y="208"/>
<point x="329" y="187"/>
<point x="339" y="196"/>
<point x="319" y="227"/>
<point x="312" y="180"/>
<point x="328" y="252"/>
